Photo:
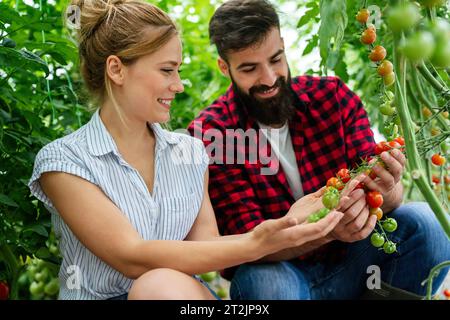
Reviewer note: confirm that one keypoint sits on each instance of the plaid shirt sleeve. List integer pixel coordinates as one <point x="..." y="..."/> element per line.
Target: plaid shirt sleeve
<point x="230" y="190"/>
<point x="359" y="138"/>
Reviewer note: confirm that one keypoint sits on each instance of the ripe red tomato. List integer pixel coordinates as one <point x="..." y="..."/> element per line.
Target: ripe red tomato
<point x="360" y="185"/>
<point x="394" y="144"/>
<point x="385" y="68"/>
<point x="344" y="175"/>
<point x="400" y="141"/>
<point x="447" y="293"/>
<point x="368" y="36"/>
<point x="4" y="291"/>
<point x="363" y="15"/>
<point x="435" y="179"/>
<point x="381" y="147"/>
<point x="437" y="159"/>
<point x="377" y="54"/>
<point x="374" y="199"/>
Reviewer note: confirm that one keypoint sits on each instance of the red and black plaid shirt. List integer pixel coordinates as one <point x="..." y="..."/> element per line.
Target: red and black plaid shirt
<point x="329" y="131"/>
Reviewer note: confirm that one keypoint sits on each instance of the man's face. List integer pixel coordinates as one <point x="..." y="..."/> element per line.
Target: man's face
<point x="261" y="79"/>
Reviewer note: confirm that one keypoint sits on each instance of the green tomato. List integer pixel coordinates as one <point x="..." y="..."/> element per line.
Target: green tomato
<point x="389" y="247"/>
<point x="42" y="276"/>
<point x="403" y="17"/>
<point x="209" y="276"/>
<point x="313" y="218"/>
<point x="222" y="293"/>
<point x="441" y="55"/>
<point x="419" y="46"/>
<point x="330" y="199"/>
<point x="377" y="240"/>
<point x="389" y="225"/>
<point x="386" y="109"/>
<point x="53" y="250"/>
<point x="390" y="95"/>
<point x="322" y="213"/>
<point x="52" y="287"/>
<point x="36" y="288"/>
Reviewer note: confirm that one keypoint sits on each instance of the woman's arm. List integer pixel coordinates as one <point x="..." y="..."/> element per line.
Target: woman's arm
<point x="106" y="232"/>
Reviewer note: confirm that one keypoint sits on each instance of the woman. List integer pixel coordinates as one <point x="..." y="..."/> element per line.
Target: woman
<point x="133" y="223"/>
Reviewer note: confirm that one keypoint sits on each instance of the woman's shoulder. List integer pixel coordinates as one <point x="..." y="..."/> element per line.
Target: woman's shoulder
<point x="69" y="146"/>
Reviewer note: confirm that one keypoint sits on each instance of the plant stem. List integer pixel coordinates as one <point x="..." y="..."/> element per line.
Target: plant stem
<point x="422" y="68"/>
<point x="433" y="273"/>
<point x="410" y="140"/>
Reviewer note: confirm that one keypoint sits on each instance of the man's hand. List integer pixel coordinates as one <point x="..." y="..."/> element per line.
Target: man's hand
<point x="388" y="179"/>
<point x="357" y="223"/>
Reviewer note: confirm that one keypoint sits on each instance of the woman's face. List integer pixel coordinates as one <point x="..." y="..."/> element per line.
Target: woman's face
<point x="151" y="82"/>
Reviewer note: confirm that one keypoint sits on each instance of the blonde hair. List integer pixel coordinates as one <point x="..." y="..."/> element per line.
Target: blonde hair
<point x="128" y="29"/>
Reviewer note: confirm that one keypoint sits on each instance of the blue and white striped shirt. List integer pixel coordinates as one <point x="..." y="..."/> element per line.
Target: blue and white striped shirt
<point x="168" y="213"/>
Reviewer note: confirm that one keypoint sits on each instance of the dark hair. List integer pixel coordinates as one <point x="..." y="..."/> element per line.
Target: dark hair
<point x="238" y="24"/>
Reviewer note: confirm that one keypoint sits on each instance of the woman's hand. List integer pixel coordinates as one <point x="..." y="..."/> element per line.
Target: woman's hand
<point x="277" y="234"/>
<point x="306" y="205"/>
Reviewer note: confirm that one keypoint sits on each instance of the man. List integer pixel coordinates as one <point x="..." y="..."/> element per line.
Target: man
<point x="315" y="126"/>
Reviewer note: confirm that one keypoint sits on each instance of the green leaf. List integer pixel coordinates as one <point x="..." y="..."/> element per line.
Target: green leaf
<point x="22" y="58"/>
<point x="8" y="201"/>
<point x="8" y="15"/>
<point x="43" y="253"/>
<point x="37" y="228"/>
<point x="312" y="43"/>
<point x="308" y="16"/>
<point x="334" y="20"/>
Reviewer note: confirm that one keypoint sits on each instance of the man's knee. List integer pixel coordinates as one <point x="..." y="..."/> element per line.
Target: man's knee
<point x="269" y="281"/>
<point x="417" y="220"/>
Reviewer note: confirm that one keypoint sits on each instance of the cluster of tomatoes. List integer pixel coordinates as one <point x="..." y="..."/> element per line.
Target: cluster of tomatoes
<point x="40" y="280"/>
<point x="374" y="199"/>
<point x="385" y="68"/>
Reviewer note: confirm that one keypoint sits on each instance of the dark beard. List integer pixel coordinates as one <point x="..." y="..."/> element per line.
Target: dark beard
<point x="272" y="111"/>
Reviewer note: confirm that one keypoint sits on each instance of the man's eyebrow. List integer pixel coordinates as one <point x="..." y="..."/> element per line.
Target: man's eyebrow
<point x="277" y="54"/>
<point x="251" y="64"/>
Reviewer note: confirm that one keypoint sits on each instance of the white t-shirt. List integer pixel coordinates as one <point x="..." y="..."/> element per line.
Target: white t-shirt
<point x="281" y="144"/>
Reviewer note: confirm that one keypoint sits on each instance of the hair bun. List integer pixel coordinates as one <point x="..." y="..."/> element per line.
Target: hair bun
<point x="93" y="13"/>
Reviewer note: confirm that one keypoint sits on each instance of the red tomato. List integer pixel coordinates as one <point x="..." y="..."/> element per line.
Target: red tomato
<point x="344" y="175"/>
<point x="374" y="199"/>
<point x="447" y="293"/>
<point x="4" y="291"/>
<point x="360" y="185"/>
<point x="400" y="141"/>
<point x="381" y="146"/>
<point x="437" y="159"/>
<point x="394" y="144"/>
<point x="435" y="179"/>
